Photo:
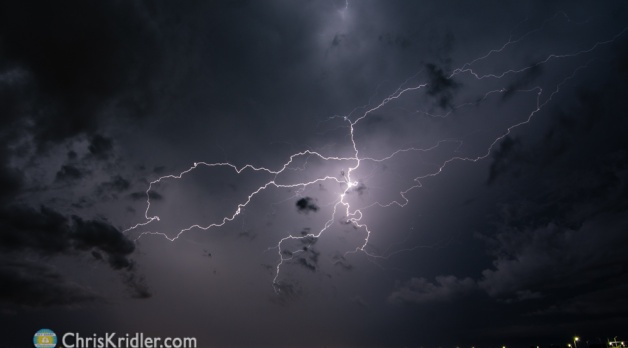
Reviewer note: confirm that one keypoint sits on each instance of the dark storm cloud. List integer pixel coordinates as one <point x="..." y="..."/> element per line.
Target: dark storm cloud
<point x="306" y="263"/>
<point x="87" y="235"/>
<point x="136" y="285"/>
<point x="69" y="68"/>
<point x="25" y="228"/>
<point x="76" y="62"/>
<point x="506" y="158"/>
<point x="581" y="156"/>
<point x="309" y="258"/>
<point x="306" y="205"/>
<point x="286" y="293"/>
<point x="420" y="290"/>
<point x="523" y="81"/>
<point x="48" y="233"/>
<point x="11" y="182"/>
<point x="537" y="263"/>
<point x="68" y="173"/>
<point x="342" y="262"/>
<point x="100" y="147"/>
<point x="307" y="240"/>
<point x="33" y="284"/>
<point x="166" y="83"/>
<point x="398" y="40"/>
<point x="564" y="235"/>
<point x="250" y="235"/>
<point x="112" y="188"/>
<point x="159" y="170"/>
<point x="601" y="303"/>
<point x="116" y="184"/>
<point x="440" y="86"/>
<point x="360" y="188"/>
<point x="557" y="244"/>
<point x="141" y="196"/>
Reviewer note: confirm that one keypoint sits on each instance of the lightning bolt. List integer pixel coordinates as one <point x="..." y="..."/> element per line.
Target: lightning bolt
<point x="342" y="208"/>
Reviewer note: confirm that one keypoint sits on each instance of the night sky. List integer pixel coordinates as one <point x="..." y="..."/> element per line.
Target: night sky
<point x="315" y="173"/>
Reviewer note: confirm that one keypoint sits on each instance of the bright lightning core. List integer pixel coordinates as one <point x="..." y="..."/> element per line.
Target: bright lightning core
<point x="383" y="160"/>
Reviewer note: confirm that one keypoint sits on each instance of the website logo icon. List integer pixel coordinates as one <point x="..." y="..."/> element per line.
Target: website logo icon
<point x="45" y="338"/>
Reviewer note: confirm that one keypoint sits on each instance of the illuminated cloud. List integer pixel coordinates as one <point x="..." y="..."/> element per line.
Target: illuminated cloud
<point x="291" y="172"/>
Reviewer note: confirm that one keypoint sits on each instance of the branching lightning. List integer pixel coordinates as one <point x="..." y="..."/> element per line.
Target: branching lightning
<point x="341" y="207"/>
